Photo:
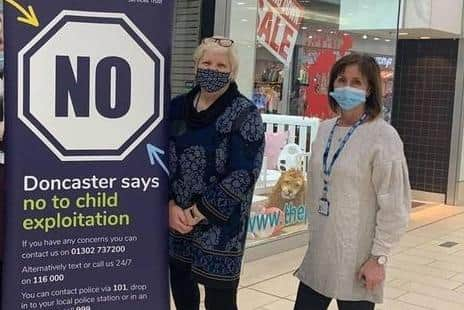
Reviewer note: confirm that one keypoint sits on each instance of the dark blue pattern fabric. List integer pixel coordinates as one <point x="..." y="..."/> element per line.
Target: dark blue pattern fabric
<point x="216" y="167"/>
<point x="212" y="80"/>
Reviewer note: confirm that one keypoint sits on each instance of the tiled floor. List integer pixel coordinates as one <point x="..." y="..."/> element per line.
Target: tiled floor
<point x="421" y="274"/>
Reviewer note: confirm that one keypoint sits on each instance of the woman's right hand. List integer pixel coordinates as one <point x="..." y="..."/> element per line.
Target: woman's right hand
<point x="177" y="219"/>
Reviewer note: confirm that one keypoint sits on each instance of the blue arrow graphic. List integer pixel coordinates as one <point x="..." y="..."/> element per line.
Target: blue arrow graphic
<point x="154" y="155"/>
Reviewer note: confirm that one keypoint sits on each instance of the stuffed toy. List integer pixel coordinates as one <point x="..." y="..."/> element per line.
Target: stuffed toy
<point x="290" y="189"/>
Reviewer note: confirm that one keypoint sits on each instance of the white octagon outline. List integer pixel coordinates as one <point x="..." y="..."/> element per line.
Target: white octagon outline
<point x="40" y="135"/>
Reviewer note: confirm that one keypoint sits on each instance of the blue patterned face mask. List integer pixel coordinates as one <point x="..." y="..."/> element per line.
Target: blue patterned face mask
<point x="212" y="80"/>
<point x="348" y="98"/>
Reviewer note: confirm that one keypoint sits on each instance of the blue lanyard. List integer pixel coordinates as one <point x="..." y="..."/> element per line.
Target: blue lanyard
<point x="328" y="168"/>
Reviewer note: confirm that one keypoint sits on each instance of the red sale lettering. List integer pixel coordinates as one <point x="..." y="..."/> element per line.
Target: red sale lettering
<point x="273" y="43"/>
<point x="278" y="26"/>
<point x="265" y="27"/>
<point x="285" y="45"/>
<point x="290" y="10"/>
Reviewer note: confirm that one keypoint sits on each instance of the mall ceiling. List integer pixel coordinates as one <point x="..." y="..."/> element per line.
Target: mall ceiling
<point x="326" y="14"/>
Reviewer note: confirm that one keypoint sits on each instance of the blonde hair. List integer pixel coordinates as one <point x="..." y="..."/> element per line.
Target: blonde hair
<point x="231" y="54"/>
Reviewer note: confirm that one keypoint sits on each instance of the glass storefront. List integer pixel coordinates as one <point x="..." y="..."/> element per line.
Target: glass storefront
<point x="287" y="48"/>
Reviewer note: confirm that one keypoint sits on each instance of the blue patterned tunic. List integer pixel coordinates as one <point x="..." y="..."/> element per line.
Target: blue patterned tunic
<point x="215" y="158"/>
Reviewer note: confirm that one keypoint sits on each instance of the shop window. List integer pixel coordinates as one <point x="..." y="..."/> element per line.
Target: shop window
<point x="287" y="49"/>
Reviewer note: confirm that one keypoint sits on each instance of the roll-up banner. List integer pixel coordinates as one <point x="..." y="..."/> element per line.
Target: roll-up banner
<point x="86" y="86"/>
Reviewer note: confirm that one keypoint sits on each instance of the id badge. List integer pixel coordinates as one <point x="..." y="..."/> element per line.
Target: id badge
<point x="324" y="207"/>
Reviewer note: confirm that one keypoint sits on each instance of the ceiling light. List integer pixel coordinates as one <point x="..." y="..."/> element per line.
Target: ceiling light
<point x="425" y="38"/>
<point x="376" y="39"/>
<point x="244" y="20"/>
<point x="403" y="33"/>
<point x="346" y="34"/>
<point x="310" y="37"/>
<point x="241" y="3"/>
<point x="304" y="27"/>
<point x="319" y="30"/>
<point x="365" y="36"/>
<point x="387" y="40"/>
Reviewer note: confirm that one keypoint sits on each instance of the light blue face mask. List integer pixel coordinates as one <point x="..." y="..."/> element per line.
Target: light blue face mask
<point x="2" y="61"/>
<point x="348" y="98"/>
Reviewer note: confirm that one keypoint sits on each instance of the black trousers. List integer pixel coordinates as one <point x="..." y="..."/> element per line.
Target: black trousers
<point x="186" y="292"/>
<point x="309" y="299"/>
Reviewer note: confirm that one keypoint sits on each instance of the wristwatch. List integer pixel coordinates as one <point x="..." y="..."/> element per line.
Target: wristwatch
<point x="381" y="260"/>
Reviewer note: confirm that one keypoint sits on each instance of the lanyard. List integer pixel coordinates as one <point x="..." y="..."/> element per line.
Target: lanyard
<point x="328" y="168"/>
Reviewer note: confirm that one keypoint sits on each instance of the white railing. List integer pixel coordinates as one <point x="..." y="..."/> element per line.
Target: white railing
<point x="302" y="131"/>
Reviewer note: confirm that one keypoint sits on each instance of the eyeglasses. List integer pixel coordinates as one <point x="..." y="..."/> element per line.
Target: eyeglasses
<point x="221" y="41"/>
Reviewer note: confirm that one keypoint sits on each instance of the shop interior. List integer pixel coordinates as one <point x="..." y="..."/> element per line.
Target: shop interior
<point x="297" y="92"/>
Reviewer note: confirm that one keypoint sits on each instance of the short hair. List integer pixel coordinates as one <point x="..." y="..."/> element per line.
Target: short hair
<point x="369" y="70"/>
<point x="231" y="54"/>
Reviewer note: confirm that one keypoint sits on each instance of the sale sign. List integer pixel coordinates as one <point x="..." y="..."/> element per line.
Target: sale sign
<point x="278" y="25"/>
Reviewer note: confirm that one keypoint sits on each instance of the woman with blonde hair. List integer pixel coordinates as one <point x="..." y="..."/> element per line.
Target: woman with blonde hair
<point x="216" y="145"/>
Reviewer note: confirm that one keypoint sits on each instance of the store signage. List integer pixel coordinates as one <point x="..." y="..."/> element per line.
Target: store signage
<point x="85" y="161"/>
<point x="271" y="221"/>
<point x="384" y="61"/>
<point x="278" y="26"/>
<point x="337" y="45"/>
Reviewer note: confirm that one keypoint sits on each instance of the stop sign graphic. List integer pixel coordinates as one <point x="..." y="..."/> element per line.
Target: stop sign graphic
<point x="91" y="86"/>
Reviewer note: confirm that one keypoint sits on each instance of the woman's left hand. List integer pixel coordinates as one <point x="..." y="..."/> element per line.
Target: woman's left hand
<point x="372" y="274"/>
<point x="193" y="216"/>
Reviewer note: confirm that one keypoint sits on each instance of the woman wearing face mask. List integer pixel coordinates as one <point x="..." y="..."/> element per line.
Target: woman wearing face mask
<point x="216" y="149"/>
<point x="360" y="194"/>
